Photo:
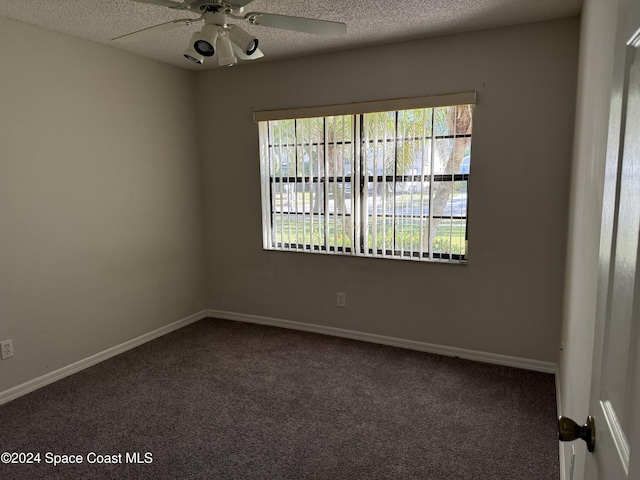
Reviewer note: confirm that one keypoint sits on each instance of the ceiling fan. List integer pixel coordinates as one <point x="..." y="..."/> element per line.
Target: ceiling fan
<point x="229" y="40"/>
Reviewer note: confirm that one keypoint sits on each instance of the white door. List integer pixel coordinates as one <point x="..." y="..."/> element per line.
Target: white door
<point x="615" y="390"/>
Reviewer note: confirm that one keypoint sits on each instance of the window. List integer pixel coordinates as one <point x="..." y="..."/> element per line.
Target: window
<point x="390" y="184"/>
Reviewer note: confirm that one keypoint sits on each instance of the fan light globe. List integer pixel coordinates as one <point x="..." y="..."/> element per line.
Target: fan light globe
<point x="247" y="43"/>
<point x="205" y="40"/>
<point x="226" y="58"/>
<point x="191" y="54"/>
<point x="195" y="58"/>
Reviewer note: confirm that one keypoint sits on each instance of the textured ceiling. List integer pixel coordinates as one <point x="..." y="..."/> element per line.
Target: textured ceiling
<point x="368" y="22"/>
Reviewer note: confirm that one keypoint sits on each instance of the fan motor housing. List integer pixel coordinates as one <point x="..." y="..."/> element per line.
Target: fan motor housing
<point x="212" y="6"/>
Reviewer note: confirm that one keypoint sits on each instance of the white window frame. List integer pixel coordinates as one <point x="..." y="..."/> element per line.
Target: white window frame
<point x="357" y="181"/>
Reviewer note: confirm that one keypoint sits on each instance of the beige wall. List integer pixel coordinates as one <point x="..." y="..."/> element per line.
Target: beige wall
<point x="508" y="299"/>
<point x="101" y="208"/>
<point x="101" y="235"/>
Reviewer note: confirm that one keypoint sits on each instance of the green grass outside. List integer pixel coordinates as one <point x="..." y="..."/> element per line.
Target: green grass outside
<point x="450" y="237"/>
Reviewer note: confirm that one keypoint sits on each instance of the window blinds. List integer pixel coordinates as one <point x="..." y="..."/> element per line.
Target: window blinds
<point x="465" y="98"/>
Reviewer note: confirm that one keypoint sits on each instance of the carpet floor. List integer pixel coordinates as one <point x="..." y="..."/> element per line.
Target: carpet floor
<point x="227" y="400"/>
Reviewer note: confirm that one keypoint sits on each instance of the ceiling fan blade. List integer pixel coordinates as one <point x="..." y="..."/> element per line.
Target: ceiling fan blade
<point x="155" y="30"/>
<point x="165" y="3"/>
<point x="297" y="24"/>
<point x="237" y="51"/>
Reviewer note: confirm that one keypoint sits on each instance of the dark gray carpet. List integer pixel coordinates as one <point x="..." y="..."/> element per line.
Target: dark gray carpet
<point x="227" y="400"/>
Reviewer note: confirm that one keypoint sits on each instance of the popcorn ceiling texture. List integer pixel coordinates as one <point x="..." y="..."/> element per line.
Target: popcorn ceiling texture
<point x="369" y="22"/>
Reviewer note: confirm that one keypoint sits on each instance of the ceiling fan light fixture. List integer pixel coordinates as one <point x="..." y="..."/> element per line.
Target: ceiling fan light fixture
<point x="191" y="54"/>
<point x="226" y="58"/>
<point x="195" y="58"/>
<point x="247" y="43"/>
<point x="203" y="42"/>
<point x="217" y="34"/>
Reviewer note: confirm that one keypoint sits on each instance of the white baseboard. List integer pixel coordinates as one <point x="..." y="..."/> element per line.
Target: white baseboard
<point x="485" y="357"/>
<point x="59" y="374"/>
<point x="31" y="385"/>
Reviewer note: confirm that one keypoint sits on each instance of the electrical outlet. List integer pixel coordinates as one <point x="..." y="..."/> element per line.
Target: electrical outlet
<point x="6" y="348"/>
<point x="341" y="299"/>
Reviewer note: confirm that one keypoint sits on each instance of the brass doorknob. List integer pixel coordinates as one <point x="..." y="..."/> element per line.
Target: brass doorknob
<point x="568" y="430"/>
